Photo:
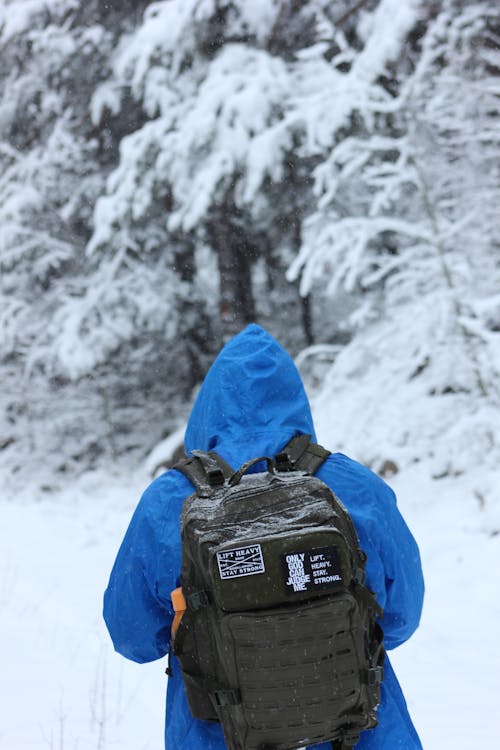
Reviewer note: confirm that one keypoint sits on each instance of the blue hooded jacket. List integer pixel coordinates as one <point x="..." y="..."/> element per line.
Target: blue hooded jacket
<point x="252" y="403"/>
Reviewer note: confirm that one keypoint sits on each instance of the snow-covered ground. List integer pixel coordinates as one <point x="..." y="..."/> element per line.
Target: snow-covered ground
<point x="62" y="687"/>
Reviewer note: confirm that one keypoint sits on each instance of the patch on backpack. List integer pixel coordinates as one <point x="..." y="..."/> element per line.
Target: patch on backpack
<point x="312" y="569"/>
<point x="239" y="562"/>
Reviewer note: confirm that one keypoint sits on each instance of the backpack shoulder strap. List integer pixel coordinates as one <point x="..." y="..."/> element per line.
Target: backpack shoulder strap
<point x="206" y="470"/>
<point x="301" y="454"/>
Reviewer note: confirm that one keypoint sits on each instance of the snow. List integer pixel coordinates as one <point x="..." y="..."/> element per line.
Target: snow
<point x="62" y="685"/>
<point x="163" y="452"/>
<point x="381" y="46"/>
<point x="16" y="17"/>
<point x="449" y="668"/>
<point x="107" y="96"/>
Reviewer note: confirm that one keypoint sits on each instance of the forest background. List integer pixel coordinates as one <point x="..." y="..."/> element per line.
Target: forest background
<point x="171" y="171"/>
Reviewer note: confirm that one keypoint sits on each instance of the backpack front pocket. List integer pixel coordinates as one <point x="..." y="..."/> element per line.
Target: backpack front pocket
<point x="299" y="672"/>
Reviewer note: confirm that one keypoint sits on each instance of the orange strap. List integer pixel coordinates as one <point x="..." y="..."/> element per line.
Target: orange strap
<point x="179" y="604"/>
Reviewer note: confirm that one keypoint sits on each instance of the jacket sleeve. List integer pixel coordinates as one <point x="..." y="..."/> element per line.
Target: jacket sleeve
<point x="394" y="570"/>
<point x="403" y="577"/>
<point x="137" y="606"/>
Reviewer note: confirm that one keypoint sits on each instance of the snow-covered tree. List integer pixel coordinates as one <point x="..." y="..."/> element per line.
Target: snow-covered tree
<point x="242" y="102"/>
<point x="228" y="110"/>
<point x="421" y="243"/>
<point x="53" y="163"/>
<point x="165" y="163"/>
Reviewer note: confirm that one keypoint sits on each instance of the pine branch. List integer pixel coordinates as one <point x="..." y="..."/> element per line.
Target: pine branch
<point x="448" y="277"/>
<point x="340" y="21"/>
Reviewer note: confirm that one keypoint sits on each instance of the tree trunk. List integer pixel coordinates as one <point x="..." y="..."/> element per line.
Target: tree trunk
<point x="307" y="314"/>
<point x="235" y="256"/>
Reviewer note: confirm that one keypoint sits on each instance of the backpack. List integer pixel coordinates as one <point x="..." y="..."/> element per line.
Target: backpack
<point x="275" y="631"/>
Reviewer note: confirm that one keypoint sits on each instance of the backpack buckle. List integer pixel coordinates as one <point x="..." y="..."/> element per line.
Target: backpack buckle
<point x="215" y="477"/>
<point x="224" y="698"/>
<point x="359" y="576"/>
<point x="197" y="600"/>
<point x="374" y="676"/>
<point x="283" y="462"/>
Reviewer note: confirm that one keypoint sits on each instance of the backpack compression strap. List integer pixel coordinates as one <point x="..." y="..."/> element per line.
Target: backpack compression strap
<point x="300" y="454"/>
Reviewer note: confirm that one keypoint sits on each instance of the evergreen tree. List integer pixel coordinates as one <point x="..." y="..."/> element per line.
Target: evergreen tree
<point x="54" y="162"/>
<point x="165" y="163"/>
<point x="421" y="244"/>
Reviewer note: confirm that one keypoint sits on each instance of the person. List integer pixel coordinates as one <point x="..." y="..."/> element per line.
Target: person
<point x="251" y="403"/>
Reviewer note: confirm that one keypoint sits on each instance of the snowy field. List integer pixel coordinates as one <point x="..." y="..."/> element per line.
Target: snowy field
<point x="63" y="688"/>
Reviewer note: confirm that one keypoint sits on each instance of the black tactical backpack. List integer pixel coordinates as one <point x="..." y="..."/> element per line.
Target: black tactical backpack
<point x="279" y="641"/>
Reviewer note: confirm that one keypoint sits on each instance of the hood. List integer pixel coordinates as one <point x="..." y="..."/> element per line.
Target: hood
<point x="252" y="401"/>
